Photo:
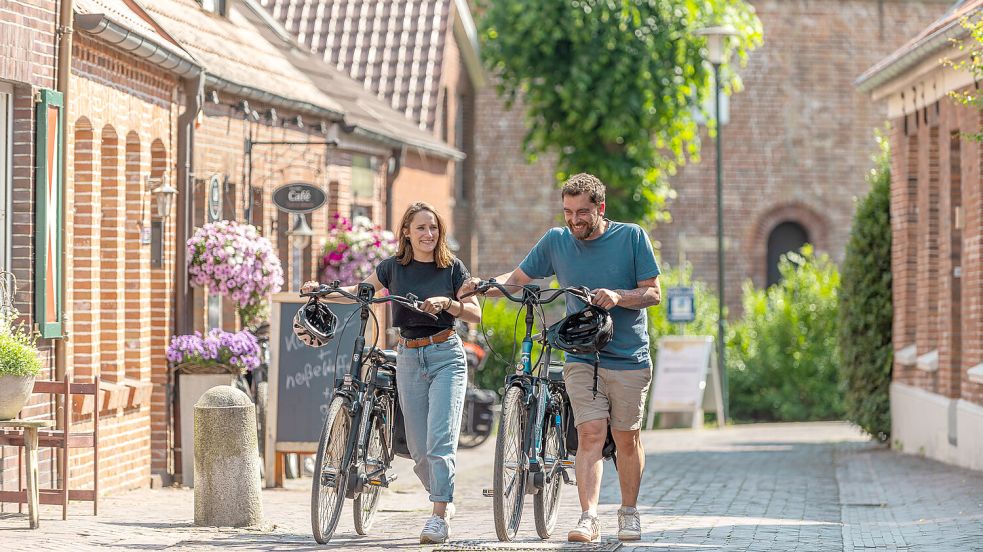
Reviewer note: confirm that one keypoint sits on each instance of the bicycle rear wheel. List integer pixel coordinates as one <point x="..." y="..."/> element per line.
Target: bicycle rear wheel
<point x="376" y="452"/>
<point x="546" y="503"/>
<point x="510" y="474"/>
<point x="330" y="478"/>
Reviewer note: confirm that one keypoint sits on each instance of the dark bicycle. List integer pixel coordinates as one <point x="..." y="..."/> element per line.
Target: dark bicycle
<point x="478" y="414"/>
<point x="531" y="452"/>
<point x="356" y="448"/>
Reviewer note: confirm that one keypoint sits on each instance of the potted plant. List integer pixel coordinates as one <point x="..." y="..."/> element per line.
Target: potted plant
<point x="233" y="260"/>
<point x="353" y="249"/>
<point x="20" y="362"/>
<point x="203" y="362"/>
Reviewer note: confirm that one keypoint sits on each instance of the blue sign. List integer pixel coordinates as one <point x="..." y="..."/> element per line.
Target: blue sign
<point x="681" y="304"/>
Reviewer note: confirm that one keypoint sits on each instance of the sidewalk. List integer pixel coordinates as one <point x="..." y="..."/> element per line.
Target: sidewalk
<point x="782" y="487"/>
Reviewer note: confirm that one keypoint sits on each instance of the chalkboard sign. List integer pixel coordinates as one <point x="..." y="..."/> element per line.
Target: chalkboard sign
<point x="302" y="378"/>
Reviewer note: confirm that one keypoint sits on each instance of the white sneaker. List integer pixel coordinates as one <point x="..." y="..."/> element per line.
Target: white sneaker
<point x="435" y="531"/>
<point x="629" y="524"/>
<point x="587" y="530"/>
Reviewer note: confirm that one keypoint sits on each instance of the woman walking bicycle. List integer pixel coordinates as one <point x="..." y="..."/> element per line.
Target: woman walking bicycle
<point x="431" y="367"/>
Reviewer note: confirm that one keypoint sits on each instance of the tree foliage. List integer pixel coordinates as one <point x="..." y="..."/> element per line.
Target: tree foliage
<point x="973" y="46"/>
<point x="866" y="310"/>
<point x="782" y="359"/>
<point x="611" y="86"/>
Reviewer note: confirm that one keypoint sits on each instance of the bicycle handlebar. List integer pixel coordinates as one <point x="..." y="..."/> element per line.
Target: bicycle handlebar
<point x="410" y="301"/>
<point x="534" y="293"/>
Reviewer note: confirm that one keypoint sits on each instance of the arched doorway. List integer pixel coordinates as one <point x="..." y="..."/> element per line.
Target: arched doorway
<point x="786" y="236"/>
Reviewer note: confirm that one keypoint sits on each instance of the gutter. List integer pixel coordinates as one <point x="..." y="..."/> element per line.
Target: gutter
<point x="259" y="95"/>
<point x="447" y="153"/>
<point x="899" y="62"/>
<point x="134" y="43"/>
<point x="466" y="33"/>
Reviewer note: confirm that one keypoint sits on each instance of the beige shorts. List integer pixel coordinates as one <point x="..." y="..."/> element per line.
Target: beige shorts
<point x="620" y="395"/>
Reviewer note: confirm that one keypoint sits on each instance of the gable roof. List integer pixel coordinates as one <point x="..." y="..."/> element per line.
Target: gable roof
<point x="395" y="48"/>
<point x="932" y="39"/>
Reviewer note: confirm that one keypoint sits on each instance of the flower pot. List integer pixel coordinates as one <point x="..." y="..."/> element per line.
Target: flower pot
<point x="14" y="392"/>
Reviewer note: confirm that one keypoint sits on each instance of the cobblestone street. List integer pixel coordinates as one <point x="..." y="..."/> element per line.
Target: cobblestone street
<point x="781" y="487"/>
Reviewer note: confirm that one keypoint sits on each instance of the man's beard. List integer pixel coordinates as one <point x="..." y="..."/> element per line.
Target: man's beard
<point x="586" y="232"/>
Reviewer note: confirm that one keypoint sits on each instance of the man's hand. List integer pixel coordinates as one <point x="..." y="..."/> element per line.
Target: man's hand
<point x="605" y="298"/>
<point x="308" y="287"/>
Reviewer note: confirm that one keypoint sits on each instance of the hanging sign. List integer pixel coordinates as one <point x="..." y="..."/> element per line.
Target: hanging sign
<point x="299" y="197"/>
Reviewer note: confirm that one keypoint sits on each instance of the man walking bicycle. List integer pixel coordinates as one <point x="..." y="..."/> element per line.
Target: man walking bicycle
<point x="617" y="262"/>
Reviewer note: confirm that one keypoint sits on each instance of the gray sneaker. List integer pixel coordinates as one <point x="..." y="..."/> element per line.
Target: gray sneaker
<point x="435" y="531"/>
<point x="587" y="530"/>
<point x="629" y="524"/>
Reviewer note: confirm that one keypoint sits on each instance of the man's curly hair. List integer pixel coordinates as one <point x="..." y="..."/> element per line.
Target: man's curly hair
<point x="583" y="183"/>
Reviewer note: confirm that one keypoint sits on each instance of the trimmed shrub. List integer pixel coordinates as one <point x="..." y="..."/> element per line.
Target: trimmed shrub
<point x="782" y="360"/>
<point x="866" y="353"/>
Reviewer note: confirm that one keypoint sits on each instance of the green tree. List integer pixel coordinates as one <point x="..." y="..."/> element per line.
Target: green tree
<point x="781" y="359"/>
<point x="611" y="85"/>
<point x="866" y="353"/>
<point x="973" y="63"/>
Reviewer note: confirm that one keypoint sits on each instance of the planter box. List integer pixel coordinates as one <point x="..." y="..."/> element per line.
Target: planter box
<point x="138" y="392"/>
<point x="191" y="388"/>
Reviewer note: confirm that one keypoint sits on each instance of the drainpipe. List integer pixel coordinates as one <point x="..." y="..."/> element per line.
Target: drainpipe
<point x="64" y="73"/>
<point x="194" y="89"/>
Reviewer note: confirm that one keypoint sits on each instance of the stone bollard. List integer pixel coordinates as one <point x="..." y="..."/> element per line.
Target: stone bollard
<point x="227" y="477"/>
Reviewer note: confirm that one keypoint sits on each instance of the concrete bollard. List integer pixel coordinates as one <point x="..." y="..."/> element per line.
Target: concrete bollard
<point x="227" y="477"/>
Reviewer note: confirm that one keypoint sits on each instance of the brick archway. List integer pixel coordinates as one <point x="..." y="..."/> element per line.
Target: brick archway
<point x="815" y="225"/>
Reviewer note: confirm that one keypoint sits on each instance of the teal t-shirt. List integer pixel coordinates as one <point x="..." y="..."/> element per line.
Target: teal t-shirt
<point x="620" y="258"/>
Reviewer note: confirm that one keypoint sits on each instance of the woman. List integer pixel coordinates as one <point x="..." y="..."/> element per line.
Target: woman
<point x="431" y="367"/>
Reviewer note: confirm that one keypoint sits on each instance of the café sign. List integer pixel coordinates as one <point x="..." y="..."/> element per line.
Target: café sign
<point x="299" y="197"/>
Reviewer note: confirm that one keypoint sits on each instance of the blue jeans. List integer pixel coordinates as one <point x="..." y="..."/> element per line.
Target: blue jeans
<point x="432" y="381"/>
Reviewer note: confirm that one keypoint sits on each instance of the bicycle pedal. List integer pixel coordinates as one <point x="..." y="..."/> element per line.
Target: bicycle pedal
<point x="488" y="493"/>
<point x="383" y="481"/>
<point x="567" y="463"/>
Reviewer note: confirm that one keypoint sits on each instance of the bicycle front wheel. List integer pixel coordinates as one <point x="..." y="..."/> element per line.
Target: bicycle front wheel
<point x="546" y="503"/>
<point x="510" y="474"/>
<point x="376" y="458"/>
<point x="330" y="478"/>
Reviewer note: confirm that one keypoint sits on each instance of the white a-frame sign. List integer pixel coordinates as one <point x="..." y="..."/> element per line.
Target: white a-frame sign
<point x="684" y="368"/>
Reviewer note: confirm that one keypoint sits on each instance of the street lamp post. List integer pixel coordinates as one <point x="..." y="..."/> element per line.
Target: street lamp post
<point x="717" y="38"/>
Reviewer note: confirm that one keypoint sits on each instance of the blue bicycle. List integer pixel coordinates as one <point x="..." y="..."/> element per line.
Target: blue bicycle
<point x="531" y="450"/>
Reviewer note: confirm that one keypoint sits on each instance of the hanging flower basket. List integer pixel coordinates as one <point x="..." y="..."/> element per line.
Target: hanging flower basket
<point x="218" y="352"/>
<point x="233" y="260"/>
<point x="353" y="249"/>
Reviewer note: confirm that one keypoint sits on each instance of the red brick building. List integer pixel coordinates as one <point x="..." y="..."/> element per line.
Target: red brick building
<point x="169" y="92"/>
<point x="796" y="148"/>
<point x="422" y="58"/>
<point x="937" y="245"/>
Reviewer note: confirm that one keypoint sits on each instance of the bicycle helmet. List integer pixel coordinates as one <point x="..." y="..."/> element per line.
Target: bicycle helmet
<point x="585" y="332"/>
<point x="315" y="324"/>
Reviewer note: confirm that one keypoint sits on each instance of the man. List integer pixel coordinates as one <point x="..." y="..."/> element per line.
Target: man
<point x="616" y="261"/>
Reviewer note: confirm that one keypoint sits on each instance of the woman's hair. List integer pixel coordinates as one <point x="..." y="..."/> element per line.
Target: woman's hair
<point x="441" y="253"/>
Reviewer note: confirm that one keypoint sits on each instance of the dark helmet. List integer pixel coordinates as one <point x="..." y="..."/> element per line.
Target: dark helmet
<point x="315" y="324"/>
<point x="585" y="332"/>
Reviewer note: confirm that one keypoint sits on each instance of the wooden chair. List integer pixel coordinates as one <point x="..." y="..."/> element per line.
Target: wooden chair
<point x="64" y="439"/>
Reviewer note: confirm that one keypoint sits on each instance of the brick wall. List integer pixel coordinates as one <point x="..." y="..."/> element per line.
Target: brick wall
<point x="797" y="146"/>
<point x="935" y="212"/>
<point x="27" y="61"/>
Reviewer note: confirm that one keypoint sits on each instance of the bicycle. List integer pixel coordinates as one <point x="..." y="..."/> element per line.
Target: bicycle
<point x="355" y="450"/>
<point x="478" y="414"/>
<point x="531" y="453"/>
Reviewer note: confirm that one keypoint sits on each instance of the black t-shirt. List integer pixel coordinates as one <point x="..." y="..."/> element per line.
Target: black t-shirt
<point x="424" y="280"/>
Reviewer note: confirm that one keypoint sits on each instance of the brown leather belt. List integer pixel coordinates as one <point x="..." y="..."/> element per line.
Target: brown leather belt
<point x="438" y="337"/>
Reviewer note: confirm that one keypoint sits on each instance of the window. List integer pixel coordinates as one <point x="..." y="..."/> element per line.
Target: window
<point x="363" y="185"/>
<point x="787" y="236"/>
<point x="6" y="139"/>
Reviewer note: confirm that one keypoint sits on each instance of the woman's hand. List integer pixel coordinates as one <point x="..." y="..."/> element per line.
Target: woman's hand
<point x="310" y="286"/>
<point x="435" y="305"/>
